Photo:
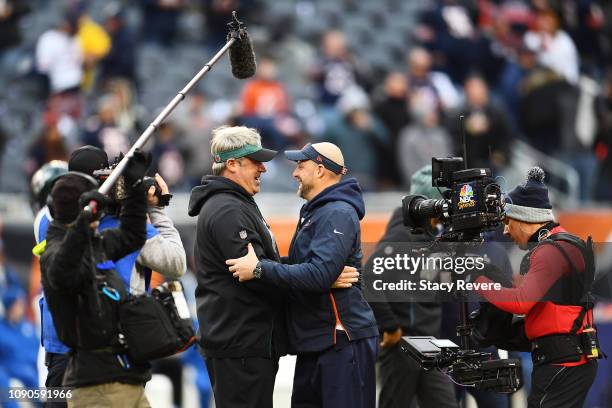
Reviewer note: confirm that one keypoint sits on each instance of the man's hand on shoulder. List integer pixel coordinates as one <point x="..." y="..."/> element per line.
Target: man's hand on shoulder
<point x="244" y="268"/>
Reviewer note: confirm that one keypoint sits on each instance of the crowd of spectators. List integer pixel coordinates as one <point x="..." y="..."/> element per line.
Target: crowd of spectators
<point x="538" y="71"/>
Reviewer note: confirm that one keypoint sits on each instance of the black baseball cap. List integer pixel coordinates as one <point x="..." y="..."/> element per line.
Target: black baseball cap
<point x="87" y="159"/>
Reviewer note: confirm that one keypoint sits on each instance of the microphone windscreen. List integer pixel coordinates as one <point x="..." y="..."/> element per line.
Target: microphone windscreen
<point x="242" y="57"/>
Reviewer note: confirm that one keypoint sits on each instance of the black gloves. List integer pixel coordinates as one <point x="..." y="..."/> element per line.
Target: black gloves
<point x="496" y="275"/>
<point x="101" y="201"/>
<point x="136" y="168"/>
<point x="163" y="200"/>
<point x="492" y="272"/>
<point x="493" y="326"/>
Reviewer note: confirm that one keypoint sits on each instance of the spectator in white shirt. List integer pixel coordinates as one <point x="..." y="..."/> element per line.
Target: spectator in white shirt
<point x="59" y="56"/>
<point x="554" y="47"/>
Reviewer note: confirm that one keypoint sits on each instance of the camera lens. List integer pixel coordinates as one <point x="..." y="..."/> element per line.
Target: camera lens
<point x="417" y="210"/>
<point x="429" y="208"/>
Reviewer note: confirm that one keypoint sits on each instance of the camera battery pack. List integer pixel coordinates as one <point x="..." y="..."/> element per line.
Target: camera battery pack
<point x="590" y="342"/>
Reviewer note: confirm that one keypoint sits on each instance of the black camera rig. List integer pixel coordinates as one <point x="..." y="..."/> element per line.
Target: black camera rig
<point x="468" y="368"/>
<point x="472" y="204"/>
<point x="118" y="190"/>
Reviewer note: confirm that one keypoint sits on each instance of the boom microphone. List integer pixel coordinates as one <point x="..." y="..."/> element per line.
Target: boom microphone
<point x="242" y="59"/>
<point x="241" y="54"/>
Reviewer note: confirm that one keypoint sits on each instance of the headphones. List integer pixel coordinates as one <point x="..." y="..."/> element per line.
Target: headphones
<point x="93" y="184"/>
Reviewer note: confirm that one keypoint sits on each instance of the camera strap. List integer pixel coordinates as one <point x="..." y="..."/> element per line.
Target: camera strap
<point x="586" y="249"/>
<point x="570" y="347"/>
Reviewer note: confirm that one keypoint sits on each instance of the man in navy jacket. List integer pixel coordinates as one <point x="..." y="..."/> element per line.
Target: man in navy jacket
<point x="333" y="332"/>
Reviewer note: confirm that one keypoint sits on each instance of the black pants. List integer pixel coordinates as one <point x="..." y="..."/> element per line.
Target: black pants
<point x="242" y="382"/>
<point x="403" y="381"/>
<point x="56" y="366"/>
<point x="561" y="387"/>
<point x="340" y="377"/>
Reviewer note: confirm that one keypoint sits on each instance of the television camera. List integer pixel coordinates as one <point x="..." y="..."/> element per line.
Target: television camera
<point x="118" y="190"/>
<point x="472" y="204"/>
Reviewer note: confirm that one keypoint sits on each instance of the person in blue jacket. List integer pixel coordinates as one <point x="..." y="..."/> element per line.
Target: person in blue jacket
<point x="162" y="252"/>
<point x="18" y="340"/>
<point x="332" y="331"/>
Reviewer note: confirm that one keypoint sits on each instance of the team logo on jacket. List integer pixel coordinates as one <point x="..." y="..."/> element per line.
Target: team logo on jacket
<point x="243" y="234"/>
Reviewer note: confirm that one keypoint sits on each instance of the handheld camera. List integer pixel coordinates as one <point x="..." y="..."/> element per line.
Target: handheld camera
<point x="118" y="191"/>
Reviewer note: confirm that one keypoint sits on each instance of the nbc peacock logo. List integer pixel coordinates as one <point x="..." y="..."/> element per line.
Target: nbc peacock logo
<point x="466" y="197"/>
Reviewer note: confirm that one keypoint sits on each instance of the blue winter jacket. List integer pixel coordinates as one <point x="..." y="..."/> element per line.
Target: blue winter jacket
<point x="327" y="238"/>
<point x="18" y="351"/>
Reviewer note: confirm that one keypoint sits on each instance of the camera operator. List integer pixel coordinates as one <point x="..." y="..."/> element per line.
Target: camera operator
<point x="83" y="297"/>
<point x="163" y="252"/>
<point x="402" y="379"/>
<point x="564" y="369"/>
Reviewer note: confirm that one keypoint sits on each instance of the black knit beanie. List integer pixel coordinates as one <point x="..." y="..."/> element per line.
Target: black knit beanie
<point x="529" y="202"/>
<point x="65" y="197"/>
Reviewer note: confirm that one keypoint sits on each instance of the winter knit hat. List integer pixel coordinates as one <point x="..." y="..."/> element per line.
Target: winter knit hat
<point x="65" y="196"/>
<point x="529" y="202"/>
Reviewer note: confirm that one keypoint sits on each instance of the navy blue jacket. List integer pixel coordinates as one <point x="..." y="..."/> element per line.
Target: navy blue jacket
<point x="327" y="238"/>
